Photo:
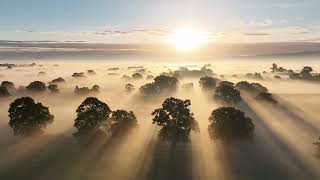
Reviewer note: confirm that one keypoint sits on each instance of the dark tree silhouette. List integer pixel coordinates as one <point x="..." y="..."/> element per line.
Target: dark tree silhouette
<point x="161" y="84"/>
<point x="122" y="122"/>
<point x="227" y="94"/>
<point x="129" y="87"/>
<point x="77" y="75"/>
<point x="277" y="77"/>
<point x="228" y="83"/>
<point x="95" y="89"/>
<point x="92" y="114"/>
<point x="4" y="92"/>
<point x="175" y="119"/>
<point x="228" y="123"/>
<point x="91" y="72"/>
<point x="81" y="90"/>
<point x="36" y="86"/>
<point x="58" y="80"/>
<point x="306" y="73"/>
<point x="53" y="88"/>
<point x="259" y="88"/>
<point x="28" y="117"/>
<point x="137" y="76"/>
<point x="245" y="86"/>
<point x="9" y="85"/>
<point x="208" y="83"/>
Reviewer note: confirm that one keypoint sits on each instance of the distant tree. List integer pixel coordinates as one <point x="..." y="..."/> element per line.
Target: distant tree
<point x="92" y="115"/>
<point x="122" y="122"/>
<point x="91" y="72"/>
<point x="28" y="117"/>
<point x="95" y="89"/>
<point x="82" y="90"/>
<point x="306" y="73"/>
<point x="175" y="119"/>
<point x="41" y="73"/>
<point x="161" y="84"/>
<point x="294" y="76"/>
<point x="274" y="66"/>
<point x="36" y="86"/>
<point x="277" y="77"/>
<point x="266" y="97"/>
<point x="9" y="85"/>
<point x="259" y="88"/>
<point x="137" y="76"/>
<point x="228" y="83"/>
<point x="227" y="94"/>
<point x="208" y="83"/>
<point x="245" y="86"/>
<point x="228" y="123"/>
<point x="53" y="88"/>
<point x="58" y="80"/>
<point x="4" y="92"/>
<point x="129" y="87"/>
<point x="77" y="75"/>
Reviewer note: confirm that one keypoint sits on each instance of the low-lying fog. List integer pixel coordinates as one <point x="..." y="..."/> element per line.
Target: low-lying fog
<point x="282" y="147"/>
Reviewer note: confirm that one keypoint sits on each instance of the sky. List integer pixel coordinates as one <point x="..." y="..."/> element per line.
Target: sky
<point x="150" y="21"/>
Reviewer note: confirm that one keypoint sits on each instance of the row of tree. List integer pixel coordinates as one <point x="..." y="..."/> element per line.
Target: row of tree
<point x="95" y="117"/>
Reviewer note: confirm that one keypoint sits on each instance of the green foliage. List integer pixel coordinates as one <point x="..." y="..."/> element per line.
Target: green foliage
<point x="28" y="117"/>
<point x="175" y="119"/>
<point x="228" y="123"/>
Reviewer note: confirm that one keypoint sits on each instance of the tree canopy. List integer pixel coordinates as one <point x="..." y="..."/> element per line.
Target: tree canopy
<point x="208" y="83"/>
<point x="161" y="84"/>
<point x="36" y="86"/>
<point x="28" y="117"/>
<point x="53" y="88"/>
<point x="122" y="122"/>
<point x="92" y="114"/>
<point x="227" y="123"/>
<point x="4" y="91"/>
<point x="227" y="94"/>
<point x="176" y="120"/>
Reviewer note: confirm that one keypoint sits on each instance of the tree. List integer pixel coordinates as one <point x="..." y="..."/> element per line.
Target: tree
<point x="228" y="83"/>
<point x="245" y="86"/>
<point x="129" y="87"/>
<point x="92" y="114"/>
<point x="95" y="89"/>
<point x="259" y="88"/>
<point x="77" y="75"/>
<point x="28" y="117"/>
<point x="9" y="85"/>
<point x="58" y="80"/>
<point x="162" y="84"/>
<point x="122" y="121"/>
<point x="227" y="94"/>
<point x="137" y="76"/>
<point x="4" y="92"/>
<point x="81" y="90"/>
<point x="294" y="76"/>
<point x="91" y="72"/>
<point x="53" y="88"/>
<point x="176" y="120"/>
<point x="36" y="86"/>
<point x="306" y="72"/>
<point x="228" y="123"/>
<point x="208" y="83"/>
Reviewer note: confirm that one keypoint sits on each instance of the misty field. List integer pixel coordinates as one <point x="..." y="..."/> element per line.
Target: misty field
<point x="281" y="146"/>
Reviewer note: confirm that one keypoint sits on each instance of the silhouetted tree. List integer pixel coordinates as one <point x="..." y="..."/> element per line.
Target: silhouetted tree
<point x="227" y="94"/>
<point x="4" y="92"/>
<point x="228" y="83"/>
<point x="161" y="84"/>
<point x="137" y="76"/>
<point x="81" y="90"/>
<point x="245" y="86"/>
<point x="294" y="76"/>
<point x="95" y="89"/>
<point x="53" y="88"/>
<point x="9" y="85"/>
<point x="129" y="87"/>
<point x="259" y="88"/>
<point x="92" y="115"/>
<point x="58" y="80"/>
<point x="228" y="123"/>
<point x="306" y="72"/>
<point x="28" y="117"/>
<point x="208" y="83"/>
<point x="122" y="122"/>
<point x="80" y="74"/>
<point x="277" y="77"/>
<point x="36" y="86"/>
<point x="41" y="73"/>
<point x="91" y="72"/>
<point x="175" y="119"/>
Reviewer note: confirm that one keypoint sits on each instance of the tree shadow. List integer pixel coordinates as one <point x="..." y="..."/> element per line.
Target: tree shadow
<point x="171" y="161"/>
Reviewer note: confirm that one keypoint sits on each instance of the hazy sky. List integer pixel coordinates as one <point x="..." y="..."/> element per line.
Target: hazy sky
<point x="145" y="21"/>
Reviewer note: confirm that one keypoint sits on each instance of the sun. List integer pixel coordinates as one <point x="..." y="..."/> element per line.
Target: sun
<point x="186" y="39"/>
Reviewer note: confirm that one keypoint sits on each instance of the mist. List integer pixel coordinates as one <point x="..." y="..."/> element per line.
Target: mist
<point x="281" y="148"/>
